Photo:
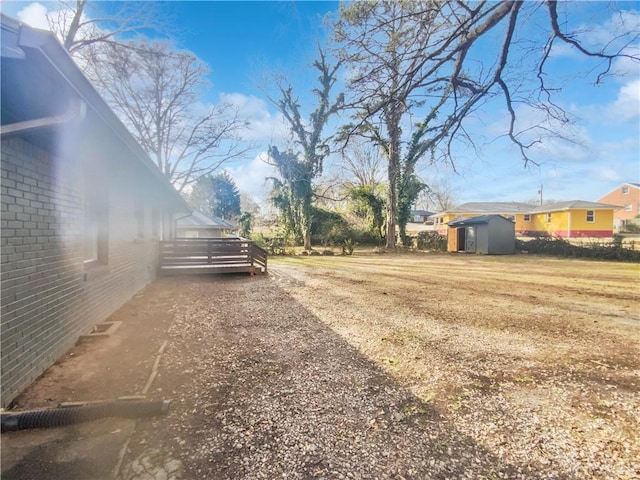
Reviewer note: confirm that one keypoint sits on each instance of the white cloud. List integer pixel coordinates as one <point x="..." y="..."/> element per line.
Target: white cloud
<point x="626" y="107"/>
<point x="35" y="15"/>
<point x="251" y="177"/>
<point x="608" y="174"/>
<point x="264" y="126"/>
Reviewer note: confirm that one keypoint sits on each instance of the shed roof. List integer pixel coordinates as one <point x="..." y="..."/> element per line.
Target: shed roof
<point x="198" y="219"/>
<point x="480" y="220"/>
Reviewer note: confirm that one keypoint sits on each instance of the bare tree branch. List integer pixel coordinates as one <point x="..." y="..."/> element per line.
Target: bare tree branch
<point x="154" y="89"/>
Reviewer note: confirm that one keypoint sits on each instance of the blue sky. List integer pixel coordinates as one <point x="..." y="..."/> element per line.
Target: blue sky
<point x="243" y="41"/>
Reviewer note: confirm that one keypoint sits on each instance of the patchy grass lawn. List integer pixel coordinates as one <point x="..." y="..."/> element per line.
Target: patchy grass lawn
<point x="537" y="359"/>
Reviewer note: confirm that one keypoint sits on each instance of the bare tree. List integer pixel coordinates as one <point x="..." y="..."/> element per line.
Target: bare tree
<point x="155" y="89"/>
<point x="362" y="164"/>
<point x="80" y="24"/>
<point x="421" y="56"/>
<point x="437" y="196"/>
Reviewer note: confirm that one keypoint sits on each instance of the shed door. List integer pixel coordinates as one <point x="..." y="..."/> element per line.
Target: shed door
<point x="470" y="239"/>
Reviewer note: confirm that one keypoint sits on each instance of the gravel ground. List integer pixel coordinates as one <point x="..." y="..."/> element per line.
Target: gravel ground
<point x="347" y="370"/>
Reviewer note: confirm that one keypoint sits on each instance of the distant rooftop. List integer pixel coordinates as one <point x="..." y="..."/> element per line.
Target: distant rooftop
<point x="582" y="204"/>
<point x="496" y="208"/>
<point x="199" y="219"/>
<point x="492" y="207"/>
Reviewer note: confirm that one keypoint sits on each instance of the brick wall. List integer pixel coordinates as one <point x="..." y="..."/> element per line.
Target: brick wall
<point x="626" y="196"/>
<point x="49" y="297"/>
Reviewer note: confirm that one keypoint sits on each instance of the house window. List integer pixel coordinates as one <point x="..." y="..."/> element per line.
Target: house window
<point x="548" y="219"/>
<point x="625" y="190"/>
<point x="95" y="243"/>
<point x="628" y="207"/>
<point x="527" y="217"/>
<point x="591" y="216"/>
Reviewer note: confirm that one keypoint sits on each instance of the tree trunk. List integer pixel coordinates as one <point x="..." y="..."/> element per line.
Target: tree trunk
<point x="307" y="240"/>
<point x="306" y="220"/>
<point x="393" y="129"/>
<point x="391" y="217"/>
<point x="75" y="25"/>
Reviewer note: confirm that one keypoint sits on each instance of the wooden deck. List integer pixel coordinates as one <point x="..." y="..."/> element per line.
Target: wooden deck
<point x="211" y="255"/>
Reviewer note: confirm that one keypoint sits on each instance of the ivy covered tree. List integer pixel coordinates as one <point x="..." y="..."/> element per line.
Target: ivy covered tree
<point x="368" y="204"/>
<point x="293" y="192"/>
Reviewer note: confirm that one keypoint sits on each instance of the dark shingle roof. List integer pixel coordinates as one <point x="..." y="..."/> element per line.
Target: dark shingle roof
<point x="482" y="219"/>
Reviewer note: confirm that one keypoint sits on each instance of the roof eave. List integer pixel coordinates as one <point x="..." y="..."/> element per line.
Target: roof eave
<point x="46" y="43"/>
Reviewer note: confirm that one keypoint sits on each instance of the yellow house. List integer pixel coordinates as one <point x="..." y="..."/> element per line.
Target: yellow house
<point x="572" y="219"/>
<point x="513" y="210"/>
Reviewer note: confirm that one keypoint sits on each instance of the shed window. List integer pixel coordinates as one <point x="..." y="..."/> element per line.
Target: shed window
<point x="548" y="219"/>
<point x="527" y="217"/>
<point x="591" y="216"/>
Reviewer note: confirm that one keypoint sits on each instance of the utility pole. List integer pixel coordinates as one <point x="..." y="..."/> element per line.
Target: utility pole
<point x="540" y="193"/>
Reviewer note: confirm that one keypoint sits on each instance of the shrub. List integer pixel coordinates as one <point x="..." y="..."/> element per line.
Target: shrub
<point x="366" y="237"/>
<point x="631" y="227"/>
<point x="431" y="241"/>
<point x="328" y="228"/>
<point x="597" y="250"/>
<point x="347" y="246"/>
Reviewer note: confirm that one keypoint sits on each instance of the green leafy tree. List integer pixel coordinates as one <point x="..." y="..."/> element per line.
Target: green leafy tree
<point x="245" y="221"/>
<point x="216" y="195"/>
<point x="226" y="198"/>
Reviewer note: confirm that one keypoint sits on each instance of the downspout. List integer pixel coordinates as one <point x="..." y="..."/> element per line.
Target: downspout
<point x="77" y="110"/>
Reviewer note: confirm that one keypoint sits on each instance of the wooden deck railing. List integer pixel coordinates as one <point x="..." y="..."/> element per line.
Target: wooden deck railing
<point x="259" y="257"/>
<point x="211" y="255"/>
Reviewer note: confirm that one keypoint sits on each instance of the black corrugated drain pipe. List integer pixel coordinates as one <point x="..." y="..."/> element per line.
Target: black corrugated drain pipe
<point x="58" y="417"/>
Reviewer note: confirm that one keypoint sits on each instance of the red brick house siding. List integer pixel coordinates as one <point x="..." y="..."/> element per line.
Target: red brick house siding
<point x="626" y="196"/>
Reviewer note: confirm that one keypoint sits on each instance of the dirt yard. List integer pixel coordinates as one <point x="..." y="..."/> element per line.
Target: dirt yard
<point x="388" y="366"/>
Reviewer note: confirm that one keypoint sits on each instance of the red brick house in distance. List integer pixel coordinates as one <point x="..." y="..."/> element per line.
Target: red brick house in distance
<point x="626" y="196"/>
